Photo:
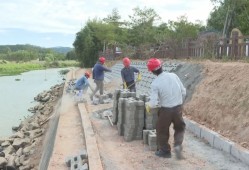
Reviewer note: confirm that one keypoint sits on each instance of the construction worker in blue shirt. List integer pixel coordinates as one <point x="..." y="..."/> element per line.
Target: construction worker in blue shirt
<point x="167" y="93"/>
<point x="98" y="76"/>
<point x="82" y="84"/>
<point x="128" y="77"/>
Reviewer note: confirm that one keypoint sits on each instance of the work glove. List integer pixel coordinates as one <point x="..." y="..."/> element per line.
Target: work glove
<point x="147" y="108"/>
<point x="125" y="86"/>
<point x="139" y="77"/>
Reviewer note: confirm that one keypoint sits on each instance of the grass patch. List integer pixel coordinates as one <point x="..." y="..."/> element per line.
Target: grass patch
<point x="12" y="68"/>
<point x="17" y="68"/>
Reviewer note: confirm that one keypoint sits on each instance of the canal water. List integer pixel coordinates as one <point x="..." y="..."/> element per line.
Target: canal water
<point x="17" y="95"/>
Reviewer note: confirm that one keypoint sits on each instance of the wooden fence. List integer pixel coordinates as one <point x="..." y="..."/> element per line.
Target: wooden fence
<point x="236" y="47"/>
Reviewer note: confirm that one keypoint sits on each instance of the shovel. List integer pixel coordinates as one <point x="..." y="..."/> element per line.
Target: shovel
<point x="133" y="83"/>
<point x="108" y="114"/>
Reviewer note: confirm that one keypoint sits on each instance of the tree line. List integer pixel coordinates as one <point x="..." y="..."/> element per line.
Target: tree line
<point x="143" y="28"/>
<point x="27" y="52"/>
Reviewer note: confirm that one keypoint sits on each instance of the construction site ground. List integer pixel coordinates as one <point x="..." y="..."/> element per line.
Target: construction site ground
<point x="220" y="101"/>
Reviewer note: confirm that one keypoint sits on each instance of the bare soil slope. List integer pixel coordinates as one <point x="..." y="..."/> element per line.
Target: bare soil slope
<point x="221" y="100"/>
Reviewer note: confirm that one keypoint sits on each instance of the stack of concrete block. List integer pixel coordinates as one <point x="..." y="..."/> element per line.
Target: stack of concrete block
<point x="115" y="106"/>
<point x="120" y="115"/>
<point x="150" y="118"/>
<point x="149" y="138"/>
<point x="133" y="119"/>
<point x="105" y="98"/>
<point x="128" y="114"/>
<point x="102" y="99"/>
<point x="117" y="94"/>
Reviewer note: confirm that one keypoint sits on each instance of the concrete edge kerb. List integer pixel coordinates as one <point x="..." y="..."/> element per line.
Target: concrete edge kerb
<point x="217" y="141"/>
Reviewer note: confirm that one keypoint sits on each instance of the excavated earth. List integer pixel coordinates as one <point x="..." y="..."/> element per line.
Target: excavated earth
<point x="221" y="100"/>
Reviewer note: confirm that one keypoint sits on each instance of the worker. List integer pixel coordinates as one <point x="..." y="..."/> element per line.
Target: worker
<point x="167" y="93"/>
<point x="127" y="74"/>
<point x="98" y="76"/>
<point x="82" y="84"/>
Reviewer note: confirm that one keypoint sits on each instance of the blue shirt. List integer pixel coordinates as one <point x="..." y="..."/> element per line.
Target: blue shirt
<point x="81" y="83"/>
<point x="98" y="71"/>
<point x="127" y="73"/>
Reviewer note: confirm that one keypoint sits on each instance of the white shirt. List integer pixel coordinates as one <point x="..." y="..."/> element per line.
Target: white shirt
<point x="167" y="90"/>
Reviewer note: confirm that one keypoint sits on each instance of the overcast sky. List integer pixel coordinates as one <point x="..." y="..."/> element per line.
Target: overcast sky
<point x="51" y="23"/>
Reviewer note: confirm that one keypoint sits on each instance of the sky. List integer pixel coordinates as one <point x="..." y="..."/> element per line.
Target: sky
<point x="54" y="23"/>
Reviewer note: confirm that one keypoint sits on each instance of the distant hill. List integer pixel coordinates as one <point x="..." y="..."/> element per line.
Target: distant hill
<point x="28" y="47"/>
<point x="13" y="48"/>
<point x="63" y="50"/>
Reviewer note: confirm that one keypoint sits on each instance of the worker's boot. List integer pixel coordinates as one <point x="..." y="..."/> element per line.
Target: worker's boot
<point x="178" y="151"/>
<point x="163" y="154"/>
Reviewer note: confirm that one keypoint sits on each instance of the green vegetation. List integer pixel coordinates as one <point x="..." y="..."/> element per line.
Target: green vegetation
<point x="24" y="53"/>
<point x="232" y="13"/>
<point x="12" y="68"/>
<point x="17" y="68"/>
<point x="15" y="59"/>
<point x="144" y="30"/>
<point x="141" y="30"/>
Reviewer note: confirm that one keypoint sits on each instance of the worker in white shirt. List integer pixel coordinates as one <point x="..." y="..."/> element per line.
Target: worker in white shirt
<point x="167" y="93"/>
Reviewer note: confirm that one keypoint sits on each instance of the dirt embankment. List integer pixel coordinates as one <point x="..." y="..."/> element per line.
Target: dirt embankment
<point x="221" y="100"/>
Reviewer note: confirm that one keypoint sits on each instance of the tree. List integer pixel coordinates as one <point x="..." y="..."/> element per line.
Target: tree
<point x="141" y="26"/>
<point x="71" y="55"/>
<point x="229" y="14"/>
<point x="117" y="28"/>
<point x="113" y="18"/>
<point x="175" y="32"/>
<point x="87" y="44"/>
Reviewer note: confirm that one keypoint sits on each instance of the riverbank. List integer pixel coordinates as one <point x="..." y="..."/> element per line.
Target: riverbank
<point x="23" y="149"/>
<point x="14" y="68"/>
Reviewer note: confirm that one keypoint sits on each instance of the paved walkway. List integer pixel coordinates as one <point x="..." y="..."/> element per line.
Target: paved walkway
<point x="69" y="140"/>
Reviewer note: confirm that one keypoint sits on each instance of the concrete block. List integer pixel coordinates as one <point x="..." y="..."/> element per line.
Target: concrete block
<point x="193" y="127"/>
<point x="152" y="140"/>
<point x="208" y="135"/>
<point x="145" y="136"/>
<point x="120" y="127"/>
<point x="78" y="162"/>
<point x="222" y="143"/>
<point x="149" y="126"/>
<point x="240" y="153"/>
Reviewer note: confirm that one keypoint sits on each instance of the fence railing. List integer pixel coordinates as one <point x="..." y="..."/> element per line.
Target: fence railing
<point x="234" y="48"/>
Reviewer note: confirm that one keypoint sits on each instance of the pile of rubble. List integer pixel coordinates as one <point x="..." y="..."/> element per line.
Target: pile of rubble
<point x="102" y="99"/>
<point x="16" y="151"/>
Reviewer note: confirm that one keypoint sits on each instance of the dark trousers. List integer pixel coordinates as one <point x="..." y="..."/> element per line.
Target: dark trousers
<point x="99" y="87"/>
<point x="166" y="116"/>
<point x="131" y="86"/>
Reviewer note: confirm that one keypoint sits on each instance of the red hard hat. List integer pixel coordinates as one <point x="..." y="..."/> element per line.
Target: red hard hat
<point x="154" y="64"/>
<point x="87" y="74"/>
<point x="102" y="60"/>
<point x="126" y="62"/>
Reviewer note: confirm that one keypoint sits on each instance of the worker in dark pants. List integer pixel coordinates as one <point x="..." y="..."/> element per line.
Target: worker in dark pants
<point x="98" y="76"/>
<point x="128" y="77"/>
<point x="167" y="93"/>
